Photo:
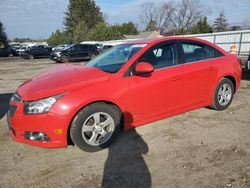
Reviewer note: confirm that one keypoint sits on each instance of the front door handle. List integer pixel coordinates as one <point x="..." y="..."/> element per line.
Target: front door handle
<point x="211" y="68"/>
<point x="175" y="78"/>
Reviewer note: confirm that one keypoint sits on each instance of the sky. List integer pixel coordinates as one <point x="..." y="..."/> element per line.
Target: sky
<point x="39" y="18"/>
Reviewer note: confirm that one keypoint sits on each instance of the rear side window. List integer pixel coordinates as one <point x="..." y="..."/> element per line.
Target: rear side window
<point x="83" y="47"/>
<point x="198" y="52"/>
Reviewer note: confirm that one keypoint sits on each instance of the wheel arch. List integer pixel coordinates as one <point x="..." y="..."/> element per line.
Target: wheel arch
<point x="69" y="141"/>
<point x="233" y="80"/>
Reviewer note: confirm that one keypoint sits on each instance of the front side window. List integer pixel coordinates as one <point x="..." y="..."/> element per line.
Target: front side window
<point x="198" y="52"/>
<point x="161" y="57"/>
<point x="112" y="60"/>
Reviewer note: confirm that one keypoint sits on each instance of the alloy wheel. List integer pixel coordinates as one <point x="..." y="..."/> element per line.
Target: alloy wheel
<point x="98" y="128"/>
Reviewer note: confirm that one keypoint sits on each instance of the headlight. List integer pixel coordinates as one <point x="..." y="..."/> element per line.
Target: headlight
<point x="40" y="106"/>
<point x="58" y="53"/>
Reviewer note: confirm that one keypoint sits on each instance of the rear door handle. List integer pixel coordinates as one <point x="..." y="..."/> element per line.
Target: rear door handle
<point x="175" y="78"/>
<point x="211" y="68"/>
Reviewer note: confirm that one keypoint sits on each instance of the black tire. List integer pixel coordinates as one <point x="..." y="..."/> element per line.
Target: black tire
<point x="217" y="105"/>
<point x="92" y="56"/>
<point x="64" y="59"/>
<point x="31" y="57"/>
<point x="83" y="116"/>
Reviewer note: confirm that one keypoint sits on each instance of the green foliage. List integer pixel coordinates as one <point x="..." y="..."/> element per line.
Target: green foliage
<point x="181" y="31"/>
<point x="3" y="36"/>
<point x="58" y="38"/>
<point x="129" y="29"/>
<point x="81" y="32"/>
<point x="202" y="26"/>
<point x="220" y="23"/>
<point x="125" y="28"/>
<point x="152" y="26"/>
<point x="84" y="21"/>
<point x="103" y="32"/>
<point x="82" y="11"/>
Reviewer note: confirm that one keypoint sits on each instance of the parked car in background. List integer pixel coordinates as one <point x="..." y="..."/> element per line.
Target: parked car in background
<point x="248" y="63"/>
<point x="75" y="52"/>
<point x="13" y="50"/>
<point x="106" y="48"/>
<point x="59" y="48"/>
<point x="130" y="85"/>
<point x="36" y="52"/>
<point x="4" y="52"/>
<point x="22" y="49"/>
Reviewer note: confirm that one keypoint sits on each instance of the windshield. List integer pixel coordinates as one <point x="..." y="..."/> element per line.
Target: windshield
<point x="69" y="46"/>
<point x="112" y="60"/>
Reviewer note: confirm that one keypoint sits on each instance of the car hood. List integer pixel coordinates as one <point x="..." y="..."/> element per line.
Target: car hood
<point x="61" y="79"/>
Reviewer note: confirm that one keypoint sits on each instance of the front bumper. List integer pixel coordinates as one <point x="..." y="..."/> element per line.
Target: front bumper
<point x="19" y="123"/>
<point x="55" y="57"/>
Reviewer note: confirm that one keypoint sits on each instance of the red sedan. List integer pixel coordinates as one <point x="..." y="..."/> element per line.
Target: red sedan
<point x="130" y="85"/>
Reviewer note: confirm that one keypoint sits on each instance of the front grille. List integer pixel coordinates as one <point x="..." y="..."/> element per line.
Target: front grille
<point x="12" y="110"/>
<point x="16" y="97"/>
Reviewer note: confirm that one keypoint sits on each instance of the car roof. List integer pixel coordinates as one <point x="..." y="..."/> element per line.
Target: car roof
<point x="156" y="40"/>
<point x="153" y="41"/>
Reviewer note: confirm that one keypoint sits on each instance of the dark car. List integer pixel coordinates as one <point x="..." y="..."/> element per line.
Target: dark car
<point x="36" y="52"/>
<point x="106" y="48"/>
<point x="13" y="50"/>
<point x="4" y="52"/>
<point x="75" y="52"/>
<point x="248" y="64"/>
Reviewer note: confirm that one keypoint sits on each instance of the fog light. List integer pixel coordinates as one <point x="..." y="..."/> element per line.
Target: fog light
<point x="36" y="136"/>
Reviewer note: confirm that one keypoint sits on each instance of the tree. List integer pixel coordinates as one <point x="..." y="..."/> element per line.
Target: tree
<point x="3" y="36"/>
<point x="82" y="11"/>
<point x="80" y="33"/>
<point x="158" y="16"/>
<point x="185" y="15"/>
<point x="125" y="28"/>
<point x="103" y="32"/>
<point x="202" y="26"/>
<point x="151" y="26"/>
<point x="58" y="38"/>
<point x="129" y="28"/>
<point x="235" y="28"/>
<point x="220" y="23"/>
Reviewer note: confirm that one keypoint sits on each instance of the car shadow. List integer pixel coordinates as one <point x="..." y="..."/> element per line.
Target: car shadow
<point x="245" y="74"/>
<point x="4" y="103"/>
<point x="125" y="166"/>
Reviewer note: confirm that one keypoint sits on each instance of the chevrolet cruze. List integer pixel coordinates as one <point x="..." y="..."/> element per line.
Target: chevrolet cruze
<point x="130" y="85"/>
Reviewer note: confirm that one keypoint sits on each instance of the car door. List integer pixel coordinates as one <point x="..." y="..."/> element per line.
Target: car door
<point x="160" y="92"/>
<point x="72" y="52"/>
<point x="199" y="72"/>
<point x="83" y="52"/>
<point x="35" y="51"/>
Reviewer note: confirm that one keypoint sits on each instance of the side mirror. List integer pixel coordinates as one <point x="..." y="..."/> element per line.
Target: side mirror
<point x="144" y="68"/>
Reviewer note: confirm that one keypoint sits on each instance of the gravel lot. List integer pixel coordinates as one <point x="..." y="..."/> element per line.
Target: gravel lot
<point x="202" y="148"/>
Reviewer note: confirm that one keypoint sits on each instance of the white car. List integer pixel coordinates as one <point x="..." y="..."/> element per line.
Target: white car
<point x="22" y="49"/>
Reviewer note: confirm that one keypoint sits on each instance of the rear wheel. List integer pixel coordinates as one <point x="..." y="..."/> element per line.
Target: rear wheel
<point x="223" y="95"/>
<point x="95" y="127"/>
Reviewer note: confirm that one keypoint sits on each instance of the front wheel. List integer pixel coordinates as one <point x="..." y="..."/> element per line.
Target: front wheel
<point x="223" y="95"/>
<point x="64" y="59"/>
<point x="95" y="127"/>
<point x="31" y="57"/>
